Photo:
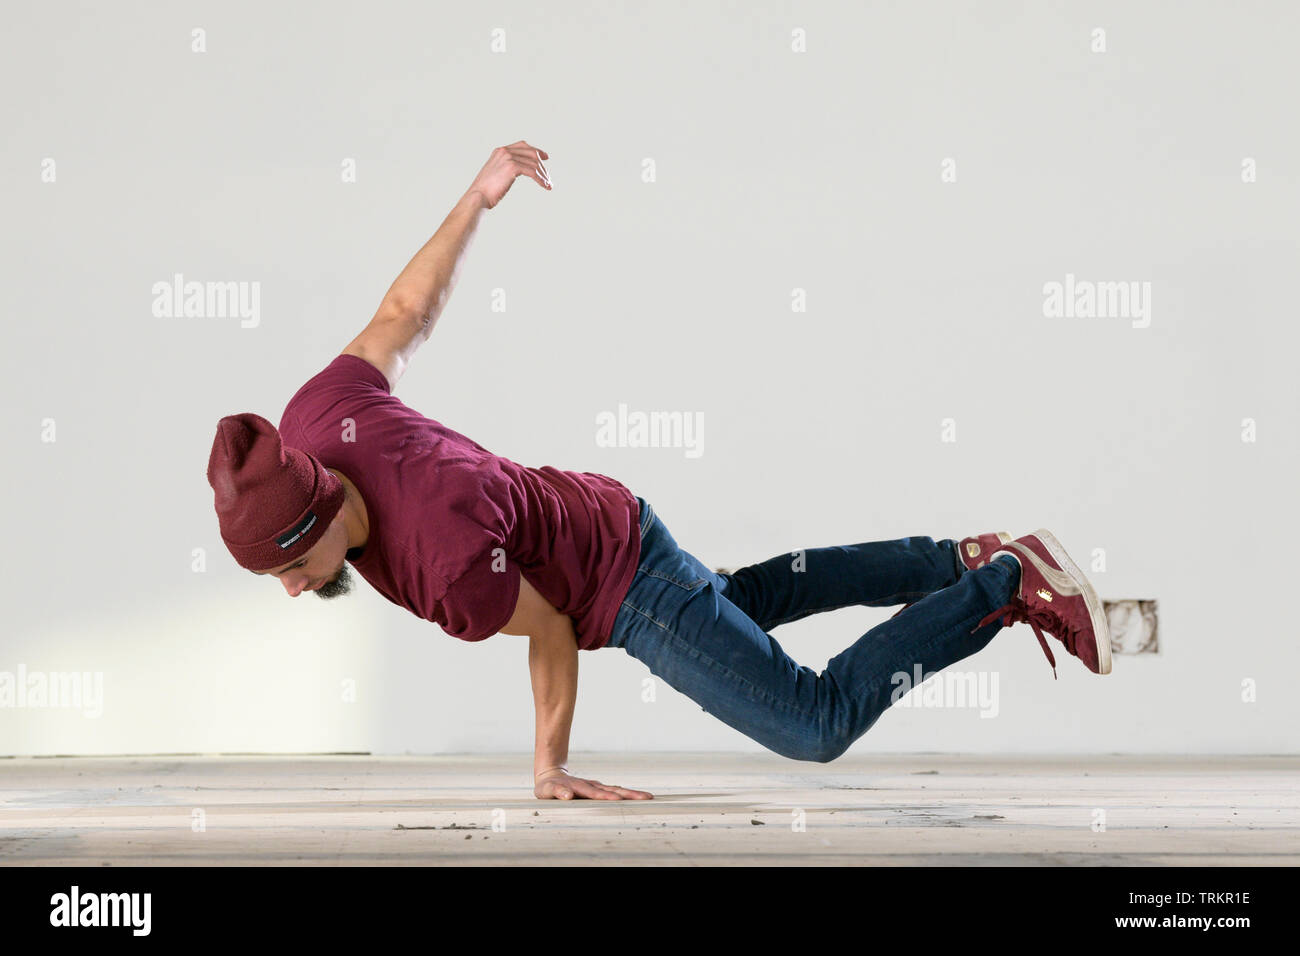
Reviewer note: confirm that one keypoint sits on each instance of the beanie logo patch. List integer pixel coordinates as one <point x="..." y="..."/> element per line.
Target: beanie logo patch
<point x="287" y="539"/>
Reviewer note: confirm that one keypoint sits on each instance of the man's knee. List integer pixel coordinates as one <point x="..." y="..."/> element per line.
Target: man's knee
<point x="832" y="751"/>
<point x="824" y="748"/>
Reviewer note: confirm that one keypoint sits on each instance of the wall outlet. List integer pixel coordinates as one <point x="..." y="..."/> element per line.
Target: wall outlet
<point x="1133" y="626"/>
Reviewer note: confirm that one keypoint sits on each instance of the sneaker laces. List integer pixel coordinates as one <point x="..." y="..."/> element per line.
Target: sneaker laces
<point x="1017" y="611"/>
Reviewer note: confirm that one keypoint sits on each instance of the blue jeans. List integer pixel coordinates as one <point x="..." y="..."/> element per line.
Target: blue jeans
<point x="705" y="634"/>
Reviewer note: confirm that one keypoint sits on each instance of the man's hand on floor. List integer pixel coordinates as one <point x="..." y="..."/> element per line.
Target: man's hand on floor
<point x="563" y="786"/>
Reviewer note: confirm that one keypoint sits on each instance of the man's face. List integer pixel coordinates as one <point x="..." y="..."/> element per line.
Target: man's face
<point x="322" y="569"/>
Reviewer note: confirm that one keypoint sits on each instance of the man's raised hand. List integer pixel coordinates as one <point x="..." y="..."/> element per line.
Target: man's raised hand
<point x="506" y="164"/>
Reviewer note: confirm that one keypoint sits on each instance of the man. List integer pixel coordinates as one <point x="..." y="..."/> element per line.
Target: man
<point x="481" y="545"/>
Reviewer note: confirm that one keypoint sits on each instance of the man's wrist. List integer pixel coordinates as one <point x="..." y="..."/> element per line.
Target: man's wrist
<point x="475" y="198"/>
<point x="537" y="775"/>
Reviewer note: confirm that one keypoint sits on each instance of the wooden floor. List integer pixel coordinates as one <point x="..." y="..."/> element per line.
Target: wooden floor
<point x="708" y="809"/>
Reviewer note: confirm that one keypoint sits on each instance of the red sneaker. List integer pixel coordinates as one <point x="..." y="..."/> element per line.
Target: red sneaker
<point x="975" y="552"/>
<point x="1055" y="596"/>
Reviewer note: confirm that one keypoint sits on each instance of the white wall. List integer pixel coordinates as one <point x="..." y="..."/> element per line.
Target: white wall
<point x="775" y="170"/>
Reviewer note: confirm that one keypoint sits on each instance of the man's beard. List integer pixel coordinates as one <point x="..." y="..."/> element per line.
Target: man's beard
<point x="338" y="587"/>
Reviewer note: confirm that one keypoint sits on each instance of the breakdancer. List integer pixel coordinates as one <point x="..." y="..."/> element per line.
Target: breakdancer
<point x="575" y="561"/>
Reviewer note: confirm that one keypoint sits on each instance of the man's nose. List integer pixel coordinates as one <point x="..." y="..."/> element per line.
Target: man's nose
<point x="294" y="584"/>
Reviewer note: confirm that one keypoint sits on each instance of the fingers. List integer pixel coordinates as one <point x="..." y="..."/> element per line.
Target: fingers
<point x="620" y="793"/>
<point x="592" y="790"/>
<point x="528" y="159"/>
<point x="587" y="789"/>
<point x="533" y="170"/>
<point x="521" y="143"/>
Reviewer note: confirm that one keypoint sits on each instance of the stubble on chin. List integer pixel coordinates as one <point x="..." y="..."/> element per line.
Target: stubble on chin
<point x="338" y="587"/>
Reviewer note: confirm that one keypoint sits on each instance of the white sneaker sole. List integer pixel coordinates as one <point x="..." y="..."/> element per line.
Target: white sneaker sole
<point x="1078" y="581"/>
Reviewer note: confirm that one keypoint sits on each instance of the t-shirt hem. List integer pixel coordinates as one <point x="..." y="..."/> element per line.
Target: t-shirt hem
<point x="606" y="629"/>
<point x="511" y="602"/>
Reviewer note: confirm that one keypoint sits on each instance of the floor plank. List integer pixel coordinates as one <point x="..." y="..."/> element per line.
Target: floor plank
<point x="709" y="809"/>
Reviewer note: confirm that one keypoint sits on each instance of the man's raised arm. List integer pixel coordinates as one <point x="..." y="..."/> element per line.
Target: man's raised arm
<point x="411" y="306"/>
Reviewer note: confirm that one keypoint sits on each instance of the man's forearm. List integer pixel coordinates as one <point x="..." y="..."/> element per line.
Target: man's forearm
<point x="553" y="667"/>
<point x="424" y="286"/>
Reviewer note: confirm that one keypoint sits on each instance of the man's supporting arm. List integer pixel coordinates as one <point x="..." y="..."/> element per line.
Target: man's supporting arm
<point x="553" y="667"/>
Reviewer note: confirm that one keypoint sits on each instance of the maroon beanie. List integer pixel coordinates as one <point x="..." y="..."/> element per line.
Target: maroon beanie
<point x="273" y="502"/>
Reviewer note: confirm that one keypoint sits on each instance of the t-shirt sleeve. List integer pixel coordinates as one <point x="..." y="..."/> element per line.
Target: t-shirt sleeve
<point x="355" y="370"/>
<point x="341" y="389"/>
<point x="480" y="602"/>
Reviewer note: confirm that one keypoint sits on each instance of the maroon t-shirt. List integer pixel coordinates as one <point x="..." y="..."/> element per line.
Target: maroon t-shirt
<point x="452" y="526"/>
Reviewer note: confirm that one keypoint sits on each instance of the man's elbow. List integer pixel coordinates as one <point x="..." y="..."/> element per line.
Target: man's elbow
<point x="401" y="325"/>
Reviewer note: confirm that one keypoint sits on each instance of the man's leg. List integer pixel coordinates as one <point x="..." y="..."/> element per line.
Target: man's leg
<point x="680" y="624"/>
<point x="792" y="586"/>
